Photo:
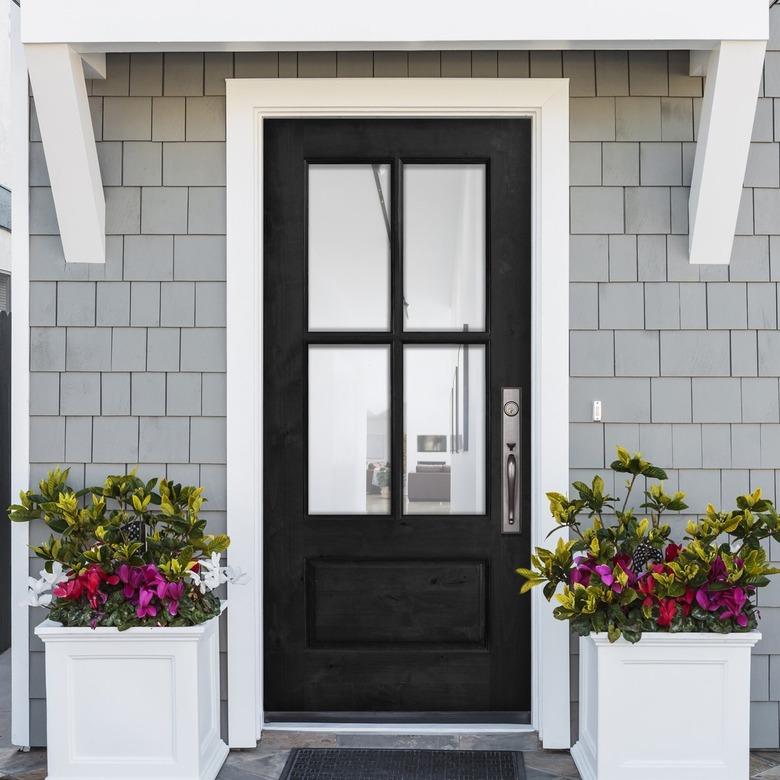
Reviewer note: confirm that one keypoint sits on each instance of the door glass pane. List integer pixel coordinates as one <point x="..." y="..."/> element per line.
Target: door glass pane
<point x="349" y="430"/>
<point x="444" y="429"/>
<point x="444" y="247"/>
<point x="349" y="247"/>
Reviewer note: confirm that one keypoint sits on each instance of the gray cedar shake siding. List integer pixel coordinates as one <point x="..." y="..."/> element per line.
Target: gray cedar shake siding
<point x="128" y="360"/>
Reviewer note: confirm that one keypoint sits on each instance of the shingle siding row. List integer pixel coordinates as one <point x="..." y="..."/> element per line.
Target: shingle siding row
<point x="128" y="359"/>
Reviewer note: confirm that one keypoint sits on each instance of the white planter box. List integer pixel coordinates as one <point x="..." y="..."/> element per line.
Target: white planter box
<point x="672" y="706"/>
<point x="141" y="704"/>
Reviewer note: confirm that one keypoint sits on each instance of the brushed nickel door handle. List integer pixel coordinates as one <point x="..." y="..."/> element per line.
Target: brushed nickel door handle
<point x="511" y="452"/>
<point x="511" y="480"/>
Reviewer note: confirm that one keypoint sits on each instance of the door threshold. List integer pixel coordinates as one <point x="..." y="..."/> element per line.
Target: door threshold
<point x="410" y="729"/>
<point x="401" y="723"/>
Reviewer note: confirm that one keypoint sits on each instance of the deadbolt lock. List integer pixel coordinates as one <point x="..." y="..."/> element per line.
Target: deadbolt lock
<point x="511" y="408"/>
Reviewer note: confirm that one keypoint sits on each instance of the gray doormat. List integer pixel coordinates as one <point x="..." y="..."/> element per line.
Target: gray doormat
<point x="364" y="764"/>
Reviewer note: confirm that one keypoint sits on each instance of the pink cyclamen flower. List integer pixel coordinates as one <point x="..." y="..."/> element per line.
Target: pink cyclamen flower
<point x="145" y="607"/>
<point x="154" y="579"/>
<point x="582" y="571"/>
<point x="718" y="569"/>
<point x="174" y="591"/>
<point x="706" y="601"/>
<point x="733" y="602"/>
<point x="131" y="576"/>
<point x="605" y="573"/>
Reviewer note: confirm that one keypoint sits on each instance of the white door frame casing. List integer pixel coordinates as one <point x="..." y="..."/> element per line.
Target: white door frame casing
<point x="249" y="102"/>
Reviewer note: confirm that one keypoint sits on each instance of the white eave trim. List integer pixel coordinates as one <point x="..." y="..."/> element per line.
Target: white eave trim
<point x="348" y="24"/>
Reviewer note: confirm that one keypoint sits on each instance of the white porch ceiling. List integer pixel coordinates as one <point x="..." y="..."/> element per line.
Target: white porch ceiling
<point x="57" y="32"/>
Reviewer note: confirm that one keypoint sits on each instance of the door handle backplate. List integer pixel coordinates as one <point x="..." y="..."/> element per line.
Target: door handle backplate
<point x="511" y="518"/>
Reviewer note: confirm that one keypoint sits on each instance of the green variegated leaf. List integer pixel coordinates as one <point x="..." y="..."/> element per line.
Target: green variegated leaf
<point x="549" y="590"/>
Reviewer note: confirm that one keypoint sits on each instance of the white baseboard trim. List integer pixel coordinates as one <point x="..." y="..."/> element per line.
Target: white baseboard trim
<point x="582" y="761"/>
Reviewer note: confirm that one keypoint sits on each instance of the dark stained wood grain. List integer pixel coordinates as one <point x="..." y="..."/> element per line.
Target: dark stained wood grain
<point x="396" y="602"/>
<point x="403" y="643"/>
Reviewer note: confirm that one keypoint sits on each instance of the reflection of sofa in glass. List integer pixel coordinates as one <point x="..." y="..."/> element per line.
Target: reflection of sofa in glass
<point x="429" y="482"/>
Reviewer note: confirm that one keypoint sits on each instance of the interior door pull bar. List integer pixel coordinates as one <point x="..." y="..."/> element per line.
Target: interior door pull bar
<point x="511" y="518"/>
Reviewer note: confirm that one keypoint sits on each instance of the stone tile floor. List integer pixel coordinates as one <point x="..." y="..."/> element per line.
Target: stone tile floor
<point x="267" y="760"/>
<point x="764" y="764"/>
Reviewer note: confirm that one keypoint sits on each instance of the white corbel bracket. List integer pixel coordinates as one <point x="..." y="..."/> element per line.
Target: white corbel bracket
<point x="734" y="70"/>
<point x="62" y="107"/>
<point x="94" y="65"/>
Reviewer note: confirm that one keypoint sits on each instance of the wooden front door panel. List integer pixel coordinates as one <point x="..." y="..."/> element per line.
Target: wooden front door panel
<point x="412" y="605"/>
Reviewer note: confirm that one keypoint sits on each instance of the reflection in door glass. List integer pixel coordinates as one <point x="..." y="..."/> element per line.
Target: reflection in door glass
<point x="349" y="247"/>
<point x="444" y="429"/>
<point x="349" y="430"/>
<point x="444" y="246"/>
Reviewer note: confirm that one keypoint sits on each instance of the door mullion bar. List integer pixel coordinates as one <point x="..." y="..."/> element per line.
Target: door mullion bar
<point x="348" y="337"/>
<point x="410" y="337"/>
<point x="446" y="337"/>
<point x="397" y="357"/>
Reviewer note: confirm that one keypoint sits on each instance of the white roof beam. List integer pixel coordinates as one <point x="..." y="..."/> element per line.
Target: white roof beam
<point x="734" y="74"/>
<point x="62" y="107"/>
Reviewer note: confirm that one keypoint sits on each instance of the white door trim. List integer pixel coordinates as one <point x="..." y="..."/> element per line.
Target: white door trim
<point x="249" y="102"/>
<point x="20" y="383"/>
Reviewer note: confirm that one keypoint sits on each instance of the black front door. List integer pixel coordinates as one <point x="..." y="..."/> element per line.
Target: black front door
<point x="397" y="417"/>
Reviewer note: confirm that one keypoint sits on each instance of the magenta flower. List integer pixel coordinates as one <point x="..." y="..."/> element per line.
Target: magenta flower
<point x="605" y="573"/>
<point x="582" y="571"/>
<point x="174" y="592"/>
<point x="733" y="601"/>
<point x="705" y="601"/>
<point x="131" y="576"/>
<point x="718" y="570"/>
<point x="154" y="580"/>
<point x="145" y="607"/>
